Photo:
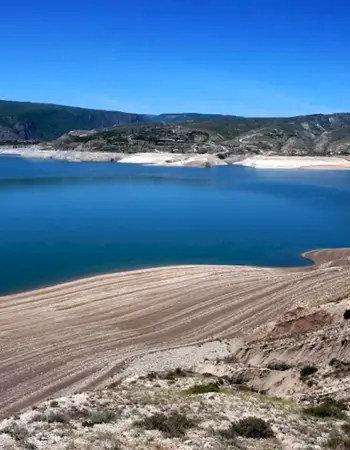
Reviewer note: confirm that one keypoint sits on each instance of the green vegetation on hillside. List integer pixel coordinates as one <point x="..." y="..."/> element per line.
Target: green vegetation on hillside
<point x="43" y="122"/>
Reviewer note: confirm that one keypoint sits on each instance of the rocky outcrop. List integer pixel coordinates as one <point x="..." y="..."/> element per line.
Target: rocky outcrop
<point x="274" y="356"/>
<point x="301" y="136"/>
<point x="142" y="139"/>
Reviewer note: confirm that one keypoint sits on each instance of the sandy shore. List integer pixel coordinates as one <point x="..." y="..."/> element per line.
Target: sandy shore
<point x="296" y="162"/>
<point x="75" y="336"/>
<point x="157" y="158"/>
<point x="184" y="160"/>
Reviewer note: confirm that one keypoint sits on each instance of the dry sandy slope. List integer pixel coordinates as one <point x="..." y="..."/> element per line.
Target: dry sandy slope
<point x="74" y="336"/>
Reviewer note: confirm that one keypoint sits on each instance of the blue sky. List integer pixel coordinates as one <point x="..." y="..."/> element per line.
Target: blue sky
<point x="245" y="57"/>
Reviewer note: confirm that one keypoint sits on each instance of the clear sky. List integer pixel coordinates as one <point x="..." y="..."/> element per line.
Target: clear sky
<point x="244" y="57"/>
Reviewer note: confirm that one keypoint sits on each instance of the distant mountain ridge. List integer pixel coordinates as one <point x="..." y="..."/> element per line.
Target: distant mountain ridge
<point x="115" y="131"/>
<point x="26" y="121"/>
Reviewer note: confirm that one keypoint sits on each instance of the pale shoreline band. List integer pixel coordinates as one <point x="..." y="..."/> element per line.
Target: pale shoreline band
<point x="186" y="160"/>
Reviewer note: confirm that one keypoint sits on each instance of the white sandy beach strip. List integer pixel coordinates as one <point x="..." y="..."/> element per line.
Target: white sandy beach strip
<point x="296" y="162"/>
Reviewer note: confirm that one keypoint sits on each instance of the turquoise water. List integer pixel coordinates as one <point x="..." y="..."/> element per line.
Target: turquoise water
<point x="60" y="221"/>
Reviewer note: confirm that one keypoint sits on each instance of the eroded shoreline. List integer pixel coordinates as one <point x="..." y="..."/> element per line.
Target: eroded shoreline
<point x="74" y="336"/>
<point x="185" y="160"/>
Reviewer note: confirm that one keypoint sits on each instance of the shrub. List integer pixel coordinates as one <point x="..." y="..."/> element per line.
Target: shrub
<point x="58" y="417"/>
<point x="328" y="408"/>
<point x="51" y="417"/>
<point x="178" y="373"/>
<point x="347" y="314"/>
<point x="173" y="374"/>
<point x="278" y="365"/>
<point x="202" y="389"/>
<point x="308" y="370"/>
<point x="338" y="442"/>
<point x="251" y="427"/>
<point x="98" y="417"/>
<point x="151" y="376"/>
<point x="53" y="404"/>
<point x="172" y="425"/>
<point x="346" y="428"/>
<point x="17" y="433"/>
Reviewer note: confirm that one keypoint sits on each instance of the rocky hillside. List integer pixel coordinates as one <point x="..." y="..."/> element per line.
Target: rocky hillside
<point x="176" y="133"/>
<point x="25" y="122"/>
<point x="144" y="138"/>
<point x="318" y="135"/>
<point x="175" y="410"/>
<point x="272" y="394"/>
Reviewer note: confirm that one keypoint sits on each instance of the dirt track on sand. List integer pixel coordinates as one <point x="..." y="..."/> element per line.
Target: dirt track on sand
<point x="73" y="336"/>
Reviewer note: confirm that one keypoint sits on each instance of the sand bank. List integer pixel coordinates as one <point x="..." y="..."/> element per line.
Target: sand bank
<point x="75" y="335"/>
<point x="296" y="162"/>
<point x="173" y="159"/>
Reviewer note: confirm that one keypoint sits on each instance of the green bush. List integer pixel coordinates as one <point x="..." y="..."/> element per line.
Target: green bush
<point x="202" y="389"/>
<point x="172" y="425"/>
<point x="98" y="417"/>
<point x="328" y="408"/>
<point x="251" y="427"/>
<point x="308" y="370"/>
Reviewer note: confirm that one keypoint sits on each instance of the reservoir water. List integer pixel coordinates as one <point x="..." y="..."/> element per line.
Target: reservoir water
<point x="61" y="221"/>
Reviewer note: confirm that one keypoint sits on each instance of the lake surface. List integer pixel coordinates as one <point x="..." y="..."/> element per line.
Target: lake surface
<point x="60" y="221"/>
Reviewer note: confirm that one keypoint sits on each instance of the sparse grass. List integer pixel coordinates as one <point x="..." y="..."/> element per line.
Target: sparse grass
<point x="169" y="375"/>
<point x="151" y="376"/>
<point x="338" y="442"/>
<point x="328" y="408"/>
<point x="106" y="440"/>
<point x="173" y="374"/>
<point x="251" y="427"/>
<point x="98" y="417"/>
<point x="172" y="425"/>
<point x="202" y="389"/>
<point x="20" y="435"/>
<point x="307" y="371"/>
